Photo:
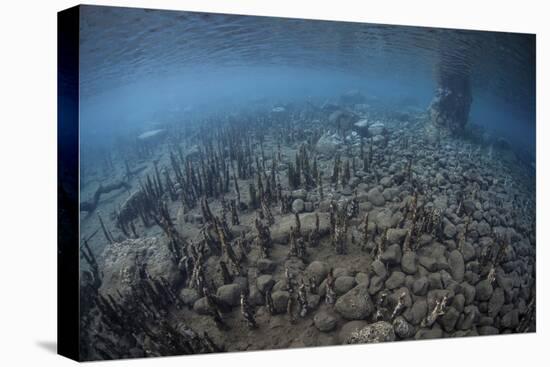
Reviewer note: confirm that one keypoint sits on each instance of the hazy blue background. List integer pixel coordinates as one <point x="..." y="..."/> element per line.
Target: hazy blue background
<point x="141" y="67"/>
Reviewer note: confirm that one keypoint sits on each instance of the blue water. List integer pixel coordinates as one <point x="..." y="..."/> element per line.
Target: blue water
<point x="141" y="67"/>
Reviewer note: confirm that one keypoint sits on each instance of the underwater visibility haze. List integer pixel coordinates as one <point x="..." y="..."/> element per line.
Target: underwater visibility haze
<point x="252" y="183"/>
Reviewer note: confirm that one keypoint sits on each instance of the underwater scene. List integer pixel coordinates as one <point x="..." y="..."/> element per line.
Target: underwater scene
<point x="253" y="183"/>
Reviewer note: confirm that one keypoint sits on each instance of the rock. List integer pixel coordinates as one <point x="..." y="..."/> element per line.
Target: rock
<point x="435" y="281"/>
<point x="417" y="312"/>
<point x="375" y="197"/>
<point x="428" y="262"/>
<point x="355" y="304"/>
<point x="256" y="298"/>
<point x="449" y="319"/>
<point x="280" y="231"/>
<point x="317" y="269"/>
<point x="313" y="300"/>
<point x="362" y="278"/>
<point x="468" y="252"/>
<point x="420" y="286"/>
<point x="378" y="332"/>
<point x="266" y="266"/>
<point x="298" y="206"/>
<point x="408" y="262"/>
<point x="188" y="296"/>
<point x="510" y="320"/>
<point x="392" y="255"/>
<point x="308" y="207"/>
<point x="469" y="292"/>
<point x="487" y="330"/>
<point x="396" y="280"/>
<point x="433" y="333"/>
<point x="328" y="144"/>
<point x="378" y="128"/>
<point x="299" y="194"/>
<point x="341" y="272"/>
<point x="402" y="328"/>
<point x="484" y="290"/>
<point x="343" y="284"/>
<point x="456" y="263"/>
<point x="449" y="230"/>
<point x="265" y="283"/>
<point x="280" y="300"/>
<point x="349" y="328"/>
<point x="324" y="321"/>
<point x="379" y="268"/>
<point x="376" y="284"/>
<point x="120" y="271"/>
<point x="483" y="228"/>
<point x="496" y="302"/>
<point x="230" y="294"/>
<point x="201" y="306"/>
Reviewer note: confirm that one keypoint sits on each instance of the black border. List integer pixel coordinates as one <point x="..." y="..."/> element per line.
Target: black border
<point x="68" y="23"/>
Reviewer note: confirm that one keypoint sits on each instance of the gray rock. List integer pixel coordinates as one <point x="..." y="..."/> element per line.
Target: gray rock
<point x="317" y="269"/>
<point x="313" y="301"/>
<point x="456" y="263"/>
<point x="343" y="284"/>
<point x="449" y="230"/>
<point x="378" y="332"/>
<point x="510" y="320"/>
<point x="396" y="235"/>
<point x="396" y="280"/>
<point x="417" y="312"/>
<point x="188" y="296"/>
<point x="433" y="333"/>
<point x="420" y="286"/>
<point x="376" y="284"/>
<point x="230" y="294"/>
<point x="468" y="252"/>
<point x="449" y="319"/>
<point x="487" y="330"/>
<point x="362" y="278"/>
<point x="266" y="266"/>
<point x="325" y="321"/>
<point x="402" y="328"/>
<point x="379" y="268"/>
<point x="428" y="262"/>
<point x="299" y="194"/>
<point x="496" y="302"/>
<point x="265" y="283"/>
<point x="355" y="304"/>
<point x="484" y="290"/>
<point x="376" y="197"/>
<point x="483" y="228"/>
<point x="298" y="206"/>
<point x="392" y="255"/>
<point x="469" y="292"/>
<point x="349" y="328"/>
<point x="201" y="306"/>
<point x="435" y="281"/>
<point x="280" y="300"/>
<point x="408" y="262"/>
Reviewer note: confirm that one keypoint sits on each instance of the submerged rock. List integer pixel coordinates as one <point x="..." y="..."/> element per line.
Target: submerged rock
<point x="355" y="304"/>
<point x="378" y="332"/>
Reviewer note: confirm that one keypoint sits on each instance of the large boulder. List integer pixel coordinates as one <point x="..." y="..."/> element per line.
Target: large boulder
<point x="356" y="304"/>
<point x="122" y="263"/>
<point x="280" y="231"/>
<point x="317" y="269"/>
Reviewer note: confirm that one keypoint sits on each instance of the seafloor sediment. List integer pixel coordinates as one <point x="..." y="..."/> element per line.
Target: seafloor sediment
<point x="302" y="226"/>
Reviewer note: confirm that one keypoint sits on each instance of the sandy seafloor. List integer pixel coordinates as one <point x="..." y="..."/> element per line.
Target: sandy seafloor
<point x="484" y="194"/>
